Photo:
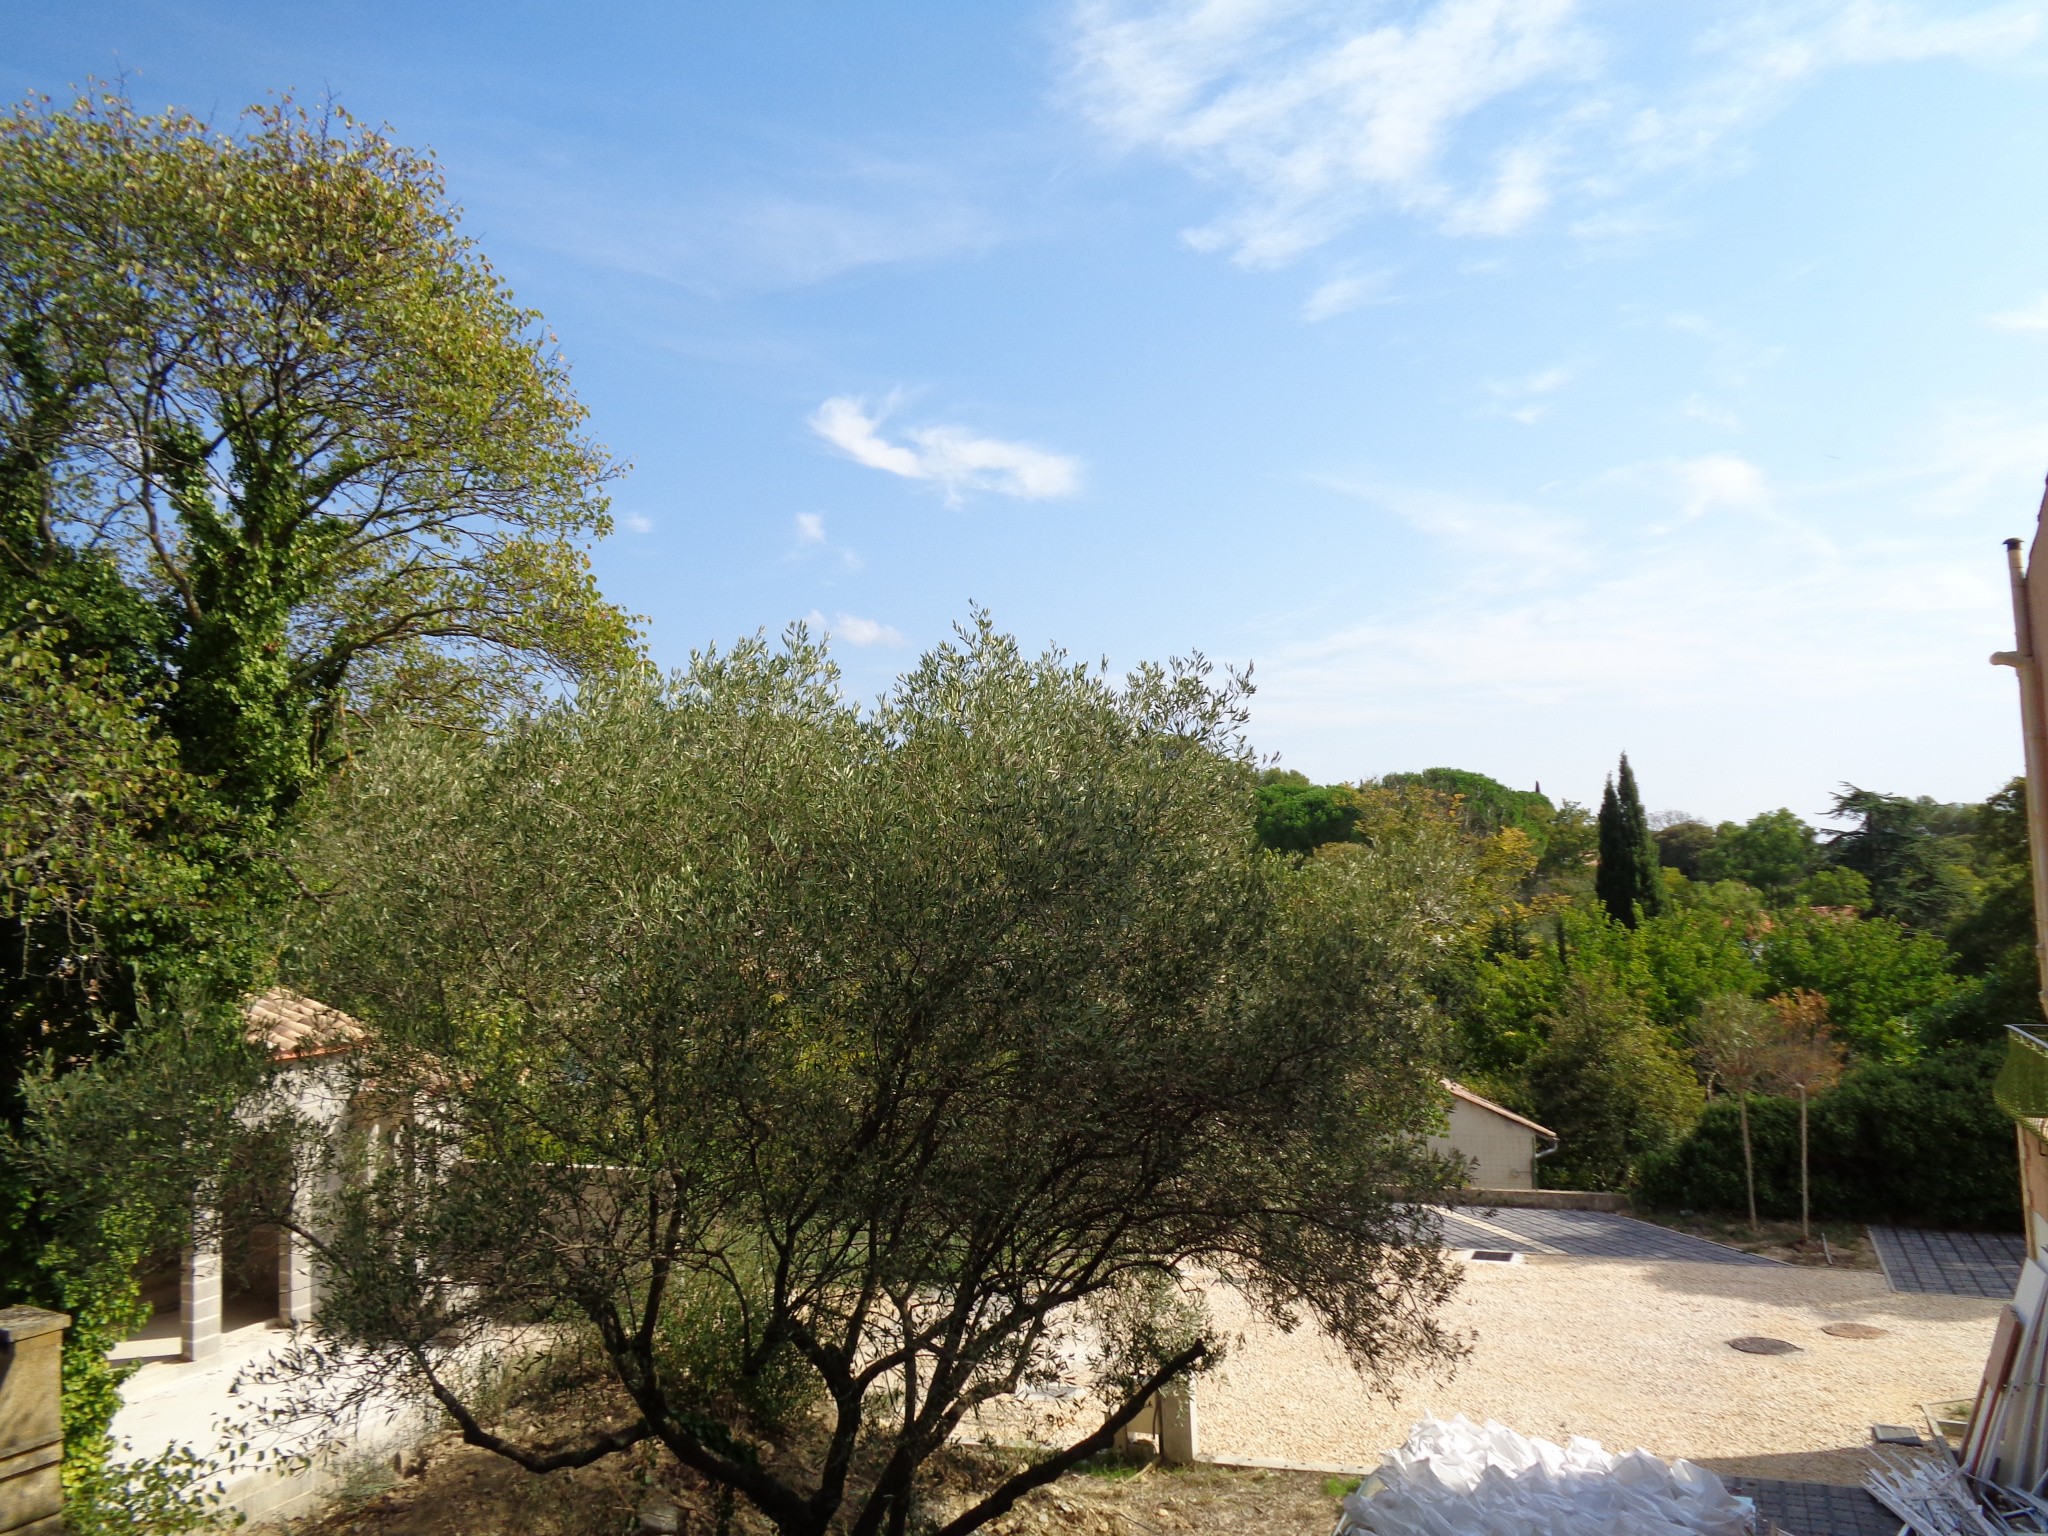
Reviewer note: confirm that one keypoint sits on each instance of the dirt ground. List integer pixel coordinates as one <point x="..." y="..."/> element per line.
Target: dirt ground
<point x="1626" y="1352"/>
<point x="1834" y="1244"/>
<point x="467" y="1492"/>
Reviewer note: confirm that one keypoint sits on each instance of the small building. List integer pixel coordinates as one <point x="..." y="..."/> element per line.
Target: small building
<point x="1499" y="1147"/>
<point x="250" y="1277"/>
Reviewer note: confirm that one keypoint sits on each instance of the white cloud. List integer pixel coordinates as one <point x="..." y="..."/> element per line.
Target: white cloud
<point x="837" y="209"/>
<point x="1699" y="408"/>
<point x="812" y="541"/>
<point x="855" y="630"/>
<point x="1717" y="481"/>
<point x="1474" y="115"/>
<point x="1343" y="294"/>
<point x="2028" y="317"/>
<point x="1563" y="627"/>
<point x="1523" y="400"/>
<point x="637" y="523"/>
<point x="1323" y="110"/>
<point x="952" y="458"/>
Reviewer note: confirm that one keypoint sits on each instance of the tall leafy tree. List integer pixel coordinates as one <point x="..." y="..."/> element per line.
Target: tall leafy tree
<point x="1919" y="854"/>
<point x="1734" y="1035"/>
<point x="1627" y="880"/>
<point x="276" y="447"/>
<point x="1772" y="851"/>
<point x="1295" y="816"/>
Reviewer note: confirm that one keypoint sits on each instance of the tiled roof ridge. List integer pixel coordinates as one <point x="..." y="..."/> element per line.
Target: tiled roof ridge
<point x="293" y="1026"/>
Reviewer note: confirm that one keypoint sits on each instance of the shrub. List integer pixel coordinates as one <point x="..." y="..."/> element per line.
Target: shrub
<point x="1917" y="1141"/>
<point x="1612" y="1087"/>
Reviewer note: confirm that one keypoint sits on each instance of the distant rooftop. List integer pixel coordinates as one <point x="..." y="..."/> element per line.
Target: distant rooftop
<point x="293" y="1027"/>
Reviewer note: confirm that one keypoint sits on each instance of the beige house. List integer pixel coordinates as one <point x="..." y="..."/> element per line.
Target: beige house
<point x="1498" y="1146"/>
<point x="251" y="1278"/>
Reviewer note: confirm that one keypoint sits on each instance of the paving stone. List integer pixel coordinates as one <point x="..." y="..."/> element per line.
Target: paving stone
<point x="1586" y="1235"/>
<point x="1931" y="1263"/>
<point x="1815" y="1509"/>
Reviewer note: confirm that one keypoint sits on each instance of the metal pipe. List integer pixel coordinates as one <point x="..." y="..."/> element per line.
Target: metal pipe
<point x="2026" y="662"/>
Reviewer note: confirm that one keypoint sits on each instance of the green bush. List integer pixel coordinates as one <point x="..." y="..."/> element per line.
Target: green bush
<point x="1917" y="1141"/>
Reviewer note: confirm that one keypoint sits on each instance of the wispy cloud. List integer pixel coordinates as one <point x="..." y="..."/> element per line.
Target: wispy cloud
<point x="812" y="541"/>
<point x="836" y="210"/>
<point x="952" y="458"/>
<point x="855" y="630"/>
<point x="1342" y="294"/>
<point x="1526" y="400"/>
<point x="2028" y="317"/>
<point x="636" y="522"/>
<point x="1818" y="613"/>
<point x="1477" y="116"/>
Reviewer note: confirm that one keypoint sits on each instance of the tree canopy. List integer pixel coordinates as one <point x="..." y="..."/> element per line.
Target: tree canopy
<point x="271" y="427"/>
<point x="1626" y="880"/>
<point x="276" y="446"/>
<point x="802" y="1057"/>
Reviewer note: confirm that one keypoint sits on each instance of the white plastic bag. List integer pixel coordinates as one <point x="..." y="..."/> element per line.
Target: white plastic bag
<point x="1457" y="1478"/>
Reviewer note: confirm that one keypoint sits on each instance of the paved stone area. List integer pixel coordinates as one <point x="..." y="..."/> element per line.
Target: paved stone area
<point x="1462" y="1234"/>
<point x="1816" y="1509"/>
<point x="1584" y="1235"/>
<point x="1985" y="1264"/>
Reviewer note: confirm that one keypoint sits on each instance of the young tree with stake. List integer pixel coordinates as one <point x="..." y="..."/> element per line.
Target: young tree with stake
<point x="1735" y="1036"/>
<point x="1806" y="1057"/>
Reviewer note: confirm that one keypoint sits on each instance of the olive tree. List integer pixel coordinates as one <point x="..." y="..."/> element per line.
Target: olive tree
<point x="834" y="1071"/>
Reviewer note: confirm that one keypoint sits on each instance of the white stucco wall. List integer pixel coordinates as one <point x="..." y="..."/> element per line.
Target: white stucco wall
<point x="1500" y="1153"/>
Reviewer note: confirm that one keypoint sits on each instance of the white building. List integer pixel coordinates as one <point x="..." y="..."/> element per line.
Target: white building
<point x="1498" y="1146"/>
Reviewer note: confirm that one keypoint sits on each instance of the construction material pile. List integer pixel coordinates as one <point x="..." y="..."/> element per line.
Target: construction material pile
<point x="1458" y="1478"/>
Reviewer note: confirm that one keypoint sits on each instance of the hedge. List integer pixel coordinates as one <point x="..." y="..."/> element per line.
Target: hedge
<point x="1917" y="1141"/>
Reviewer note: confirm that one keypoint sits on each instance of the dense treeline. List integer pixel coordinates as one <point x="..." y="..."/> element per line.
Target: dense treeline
<point x="1901" y="937"/>
<point x="279" y="459"/>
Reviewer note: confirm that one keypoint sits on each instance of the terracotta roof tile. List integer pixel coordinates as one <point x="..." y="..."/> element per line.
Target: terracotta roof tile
<point x="292" y="1026"/>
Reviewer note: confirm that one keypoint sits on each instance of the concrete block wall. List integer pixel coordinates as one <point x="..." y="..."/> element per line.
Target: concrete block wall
<point x="31" y="1421"/>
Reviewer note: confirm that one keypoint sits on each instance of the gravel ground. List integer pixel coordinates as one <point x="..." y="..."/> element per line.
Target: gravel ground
<point x="1628" y="1352"/>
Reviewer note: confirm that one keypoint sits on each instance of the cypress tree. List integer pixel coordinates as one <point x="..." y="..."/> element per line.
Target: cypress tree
<point x="1643" y="861"/>
<point x="1614" y="880"/>
<point x="1627" y="879"/>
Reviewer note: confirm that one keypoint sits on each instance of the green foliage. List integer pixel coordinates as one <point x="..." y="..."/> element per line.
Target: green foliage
<point x="115" y="1494"/>
<point x="107" y="856"/>
<point x="268" y="416"/>
<point x="1772" y="852"/>
<point x="1626" y="881"/>
<point x="1833" y="887"/>
<point x="110" y="1155"/>
<point x="1612" y="1086"/>
<point x="1918" y="854"/>
<point x="1295" y="816"/>
<point x="1918" y="1141"/>
<point x="275" y="447"/>
<point x="1486" y="805"/>
<point x="968" y="1010"/>
<point x="1875" y="973"/>
<point x="1683" y="846"/>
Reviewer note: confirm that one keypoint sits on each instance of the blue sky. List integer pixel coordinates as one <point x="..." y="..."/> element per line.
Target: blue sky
<point x="1511" y="382"/>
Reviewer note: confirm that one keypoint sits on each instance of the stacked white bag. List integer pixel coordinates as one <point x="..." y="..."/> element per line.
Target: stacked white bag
<point x="1458" y="1478"/>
